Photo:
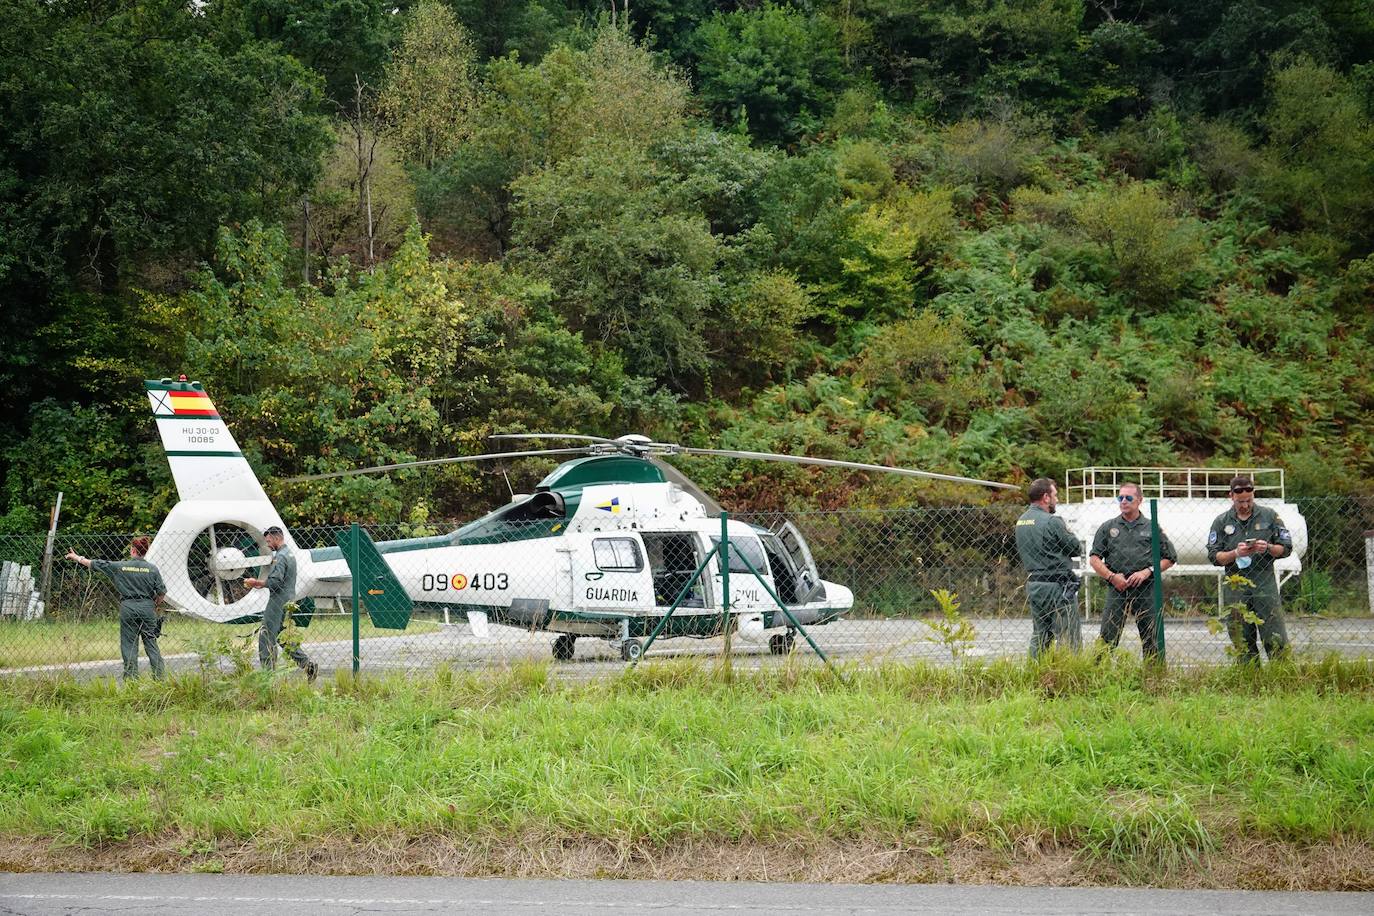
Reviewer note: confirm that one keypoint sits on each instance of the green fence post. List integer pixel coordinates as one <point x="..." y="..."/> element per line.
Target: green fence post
<point x="1157" y="592"/>
<point x="723" y="558"/>
<point x="355" y="548"/>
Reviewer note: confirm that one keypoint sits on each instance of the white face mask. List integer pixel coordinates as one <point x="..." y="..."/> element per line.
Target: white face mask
<point x="1243" y="562"/>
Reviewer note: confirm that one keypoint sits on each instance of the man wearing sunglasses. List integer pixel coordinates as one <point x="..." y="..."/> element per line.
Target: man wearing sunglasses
<point x="1247" y="539"/>
<point x="1121" y="555"/>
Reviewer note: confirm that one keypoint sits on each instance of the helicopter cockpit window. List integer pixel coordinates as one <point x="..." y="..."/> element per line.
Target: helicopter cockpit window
<point x="741" y="548"/>
<point x="617" y="555"/>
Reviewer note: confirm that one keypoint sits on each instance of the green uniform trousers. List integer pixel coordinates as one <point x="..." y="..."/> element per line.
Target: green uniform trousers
<point x="1139" y="601"/>
<point x="273" y="619"/>
<point x="136" y="624"/>
<point x="1263" y="602"/>
<point x="1054" y="616"/>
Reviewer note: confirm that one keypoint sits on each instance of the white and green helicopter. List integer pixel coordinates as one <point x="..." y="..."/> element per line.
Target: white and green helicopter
<point x="604" y="547"/>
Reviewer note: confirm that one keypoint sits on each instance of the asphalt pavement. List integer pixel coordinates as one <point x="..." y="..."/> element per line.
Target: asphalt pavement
<point x="261" y="895"/>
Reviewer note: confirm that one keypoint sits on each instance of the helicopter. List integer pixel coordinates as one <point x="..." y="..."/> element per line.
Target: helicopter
<point x="604" y="547"/>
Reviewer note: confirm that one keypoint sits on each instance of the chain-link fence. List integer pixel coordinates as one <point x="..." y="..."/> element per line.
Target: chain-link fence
<point x="588" y="595"/>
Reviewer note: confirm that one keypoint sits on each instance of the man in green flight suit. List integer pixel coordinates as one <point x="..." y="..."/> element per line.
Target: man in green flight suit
<point x="1121" y="554"/>
<point x="281" y="587"/>
<point x="141" y="590"/>
<point x="1046" y="546"/>
<point x="1246" y="539"/>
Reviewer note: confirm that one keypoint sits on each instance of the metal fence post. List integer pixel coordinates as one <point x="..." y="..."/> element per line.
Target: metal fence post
<point x="1157" y="591"/>
<point x="723" y="558"/>
<point x="355" y="536"/>
<point x="47" y="551"/>
<point x="1369" y="567"/>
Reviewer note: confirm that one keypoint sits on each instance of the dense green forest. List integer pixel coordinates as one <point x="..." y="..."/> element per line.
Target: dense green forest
<point x="998" y="238"/>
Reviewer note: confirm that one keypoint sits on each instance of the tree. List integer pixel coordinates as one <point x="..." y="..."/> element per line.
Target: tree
<point x="626" y="267"/>
<point x="345" y="41"/>
<point x="612" y="95"/>
<point x="890" y="245"/>
<point x="130" y="136"/>
<point x="430" y="89"/>
<point x="1321" y="151"/>
<point x="775" y="67"/>
<point x="320" y="380"/>
<point x="1152" y="252"/>
<point x="364" y="201"/>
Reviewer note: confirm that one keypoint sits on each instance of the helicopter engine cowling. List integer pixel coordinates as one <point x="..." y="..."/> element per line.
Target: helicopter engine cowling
<point x="204" y="549"/>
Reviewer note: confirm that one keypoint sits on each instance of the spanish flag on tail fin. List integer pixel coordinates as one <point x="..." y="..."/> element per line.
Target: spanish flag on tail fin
<point x="205" y="460"/>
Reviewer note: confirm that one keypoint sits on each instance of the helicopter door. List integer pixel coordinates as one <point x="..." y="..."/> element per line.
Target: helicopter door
<point x="673" y="558"/>
<point x="784" y="578"/>
<point x="611" y="574"/>
<point x="808" y="585"/>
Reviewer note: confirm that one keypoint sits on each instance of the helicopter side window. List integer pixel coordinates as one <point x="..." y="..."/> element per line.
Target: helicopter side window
<point x="617" y="555"/>
<point x="741" y="549"/>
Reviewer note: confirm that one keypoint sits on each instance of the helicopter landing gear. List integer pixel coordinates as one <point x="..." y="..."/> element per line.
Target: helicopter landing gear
<point x="631" y="650"/>
<point x="782" y="643"/>
<point x="563" y="646"/>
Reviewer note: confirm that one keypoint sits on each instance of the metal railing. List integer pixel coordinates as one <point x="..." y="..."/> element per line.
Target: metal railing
<point x="1082" y="484"/>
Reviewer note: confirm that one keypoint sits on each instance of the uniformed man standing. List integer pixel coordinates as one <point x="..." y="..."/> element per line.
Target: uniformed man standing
<point x="1122" y="556"/>
<point x="1046" y="547"/>
<point x="1246" y="539"/>
<point x="141" y="590"/>
<point x="281" y="587"/>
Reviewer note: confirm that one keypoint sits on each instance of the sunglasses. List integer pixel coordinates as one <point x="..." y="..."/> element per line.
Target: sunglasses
<point x="1243" y="490"/>
<point x="1125" y="499"/>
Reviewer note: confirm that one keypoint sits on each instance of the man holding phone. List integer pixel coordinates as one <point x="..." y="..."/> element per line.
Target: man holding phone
<point x="1247" y="539"/>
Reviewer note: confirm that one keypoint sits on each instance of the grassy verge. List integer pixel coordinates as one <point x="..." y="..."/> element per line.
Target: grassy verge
<point x="58" y="642"/>
<point x="1111" y="772"/>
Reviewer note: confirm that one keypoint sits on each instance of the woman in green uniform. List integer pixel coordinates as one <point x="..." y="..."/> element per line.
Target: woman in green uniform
<point x="141" y="590"/>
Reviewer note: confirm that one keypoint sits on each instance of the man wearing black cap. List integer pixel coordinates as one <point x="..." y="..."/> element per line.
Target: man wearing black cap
<point x="1047" y="548"/>
<point x="281" y="587"/>
<point x="1246" y="539"/>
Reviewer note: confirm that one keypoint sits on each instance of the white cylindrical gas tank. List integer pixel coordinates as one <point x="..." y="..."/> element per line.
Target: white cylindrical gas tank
<point x="1187" y="523"/>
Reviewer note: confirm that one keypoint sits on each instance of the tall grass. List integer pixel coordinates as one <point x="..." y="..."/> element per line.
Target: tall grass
<point x="1126" y="764"/>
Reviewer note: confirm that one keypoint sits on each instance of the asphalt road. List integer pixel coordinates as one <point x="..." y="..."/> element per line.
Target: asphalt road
<point x="865" y="642"/>
<point x="261" y="895"/>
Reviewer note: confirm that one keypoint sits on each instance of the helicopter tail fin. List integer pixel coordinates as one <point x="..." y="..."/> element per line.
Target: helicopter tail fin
<point x="382" y="593"/>
<point x="205" y="460"/>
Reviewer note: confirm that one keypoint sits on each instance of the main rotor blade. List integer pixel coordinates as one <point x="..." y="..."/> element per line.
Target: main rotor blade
<point x="832" y="463"/>
<point x="549" y="436"/>
<point x="381" y="468"/>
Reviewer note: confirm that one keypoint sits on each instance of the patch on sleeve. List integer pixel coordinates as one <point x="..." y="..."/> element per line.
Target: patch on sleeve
<point x="1212" y="537"/>
<point x="1284" y="535"/>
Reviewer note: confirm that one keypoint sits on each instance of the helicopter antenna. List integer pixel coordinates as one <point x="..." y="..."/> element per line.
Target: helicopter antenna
<point x="508" y="486"/>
